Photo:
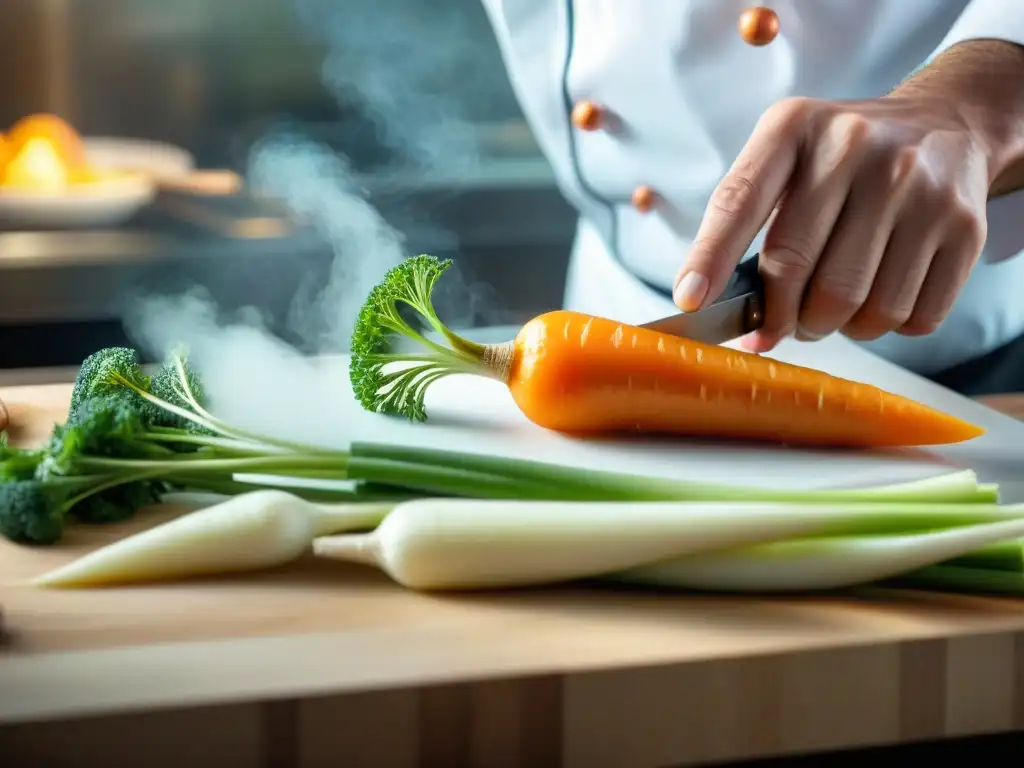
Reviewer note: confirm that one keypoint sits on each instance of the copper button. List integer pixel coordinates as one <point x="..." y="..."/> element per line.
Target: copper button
<point x="643" y="198"/>
<point x="759" y="25"/>
<point x="587" y="116"/>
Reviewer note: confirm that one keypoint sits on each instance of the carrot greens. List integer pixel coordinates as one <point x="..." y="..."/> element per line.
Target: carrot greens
<point x="387" y="380"/>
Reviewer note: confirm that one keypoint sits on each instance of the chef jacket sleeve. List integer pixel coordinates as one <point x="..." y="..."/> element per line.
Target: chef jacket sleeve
<point x="987" y="19"/>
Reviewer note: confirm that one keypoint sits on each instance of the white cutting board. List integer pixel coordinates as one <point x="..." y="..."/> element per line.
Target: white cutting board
<point x="473" y="414"/>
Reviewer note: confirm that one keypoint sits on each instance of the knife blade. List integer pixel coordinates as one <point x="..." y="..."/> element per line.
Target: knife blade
<point x="739" y="310"/>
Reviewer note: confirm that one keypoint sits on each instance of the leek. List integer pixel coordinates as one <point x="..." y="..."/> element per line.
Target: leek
<point x="822" y="563"/>
<point x="431" y="544"/>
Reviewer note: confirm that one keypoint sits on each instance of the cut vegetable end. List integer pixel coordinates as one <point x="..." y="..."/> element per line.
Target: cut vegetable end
<point x="349" y="548"/>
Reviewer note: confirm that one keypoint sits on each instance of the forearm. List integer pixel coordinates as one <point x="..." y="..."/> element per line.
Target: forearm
<point x="984" y="79"/>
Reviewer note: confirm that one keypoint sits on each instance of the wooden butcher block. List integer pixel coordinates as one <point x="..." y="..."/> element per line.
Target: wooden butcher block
<point x="323" y="663"/>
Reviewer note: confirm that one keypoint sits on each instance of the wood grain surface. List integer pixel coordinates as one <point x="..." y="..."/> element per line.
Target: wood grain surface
<point x="1011" y="405"/>
<point x="324" y="664"/>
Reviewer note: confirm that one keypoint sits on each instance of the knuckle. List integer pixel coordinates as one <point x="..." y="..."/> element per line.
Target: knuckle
<point x="971" y="230"/>
<point x="789" y="112"/>
<point x="839" y="292"/>
<point x="903" y="165"/>
<point x="736" y="196"/>
<point x="789" y="258"/>
<point x="850" y="130"/>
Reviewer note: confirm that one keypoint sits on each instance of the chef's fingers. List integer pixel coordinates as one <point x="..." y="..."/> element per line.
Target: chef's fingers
<point x="904" y="267"/>
<point x="740" y="205"/>
<point x="947" y="274"/>
<point x="897" y="284"/>
<point x="804" y="223"/>
<point x="843" y="278"/>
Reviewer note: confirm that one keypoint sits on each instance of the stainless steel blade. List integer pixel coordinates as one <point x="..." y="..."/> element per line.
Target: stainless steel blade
<point x="716" y="324"/>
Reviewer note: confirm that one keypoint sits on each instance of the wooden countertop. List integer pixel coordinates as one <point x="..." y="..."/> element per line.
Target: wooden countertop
<point x="325" y="664"/>
<point x="1011" y="405"/>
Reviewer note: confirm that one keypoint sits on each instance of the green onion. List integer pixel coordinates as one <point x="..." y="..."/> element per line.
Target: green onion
<point x="588" y="484"/>
<point x="949" y="578"/>
<point x="1004" y="556"/>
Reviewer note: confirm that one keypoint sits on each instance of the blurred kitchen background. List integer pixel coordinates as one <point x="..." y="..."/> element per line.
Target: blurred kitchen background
<point x="213" y="78"/>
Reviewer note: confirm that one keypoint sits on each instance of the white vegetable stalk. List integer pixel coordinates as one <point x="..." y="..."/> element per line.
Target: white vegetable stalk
<point x="261" y="529"/>
<point x="818" y="564"/>
<point x="435" y="544"/>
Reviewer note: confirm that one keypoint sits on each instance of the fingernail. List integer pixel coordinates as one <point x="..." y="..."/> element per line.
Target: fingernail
<point x="802" y="334"/>
<point x="690" y="291"/>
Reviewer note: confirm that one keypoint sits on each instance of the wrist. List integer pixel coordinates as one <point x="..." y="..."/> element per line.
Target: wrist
<point x="983" y="81"/>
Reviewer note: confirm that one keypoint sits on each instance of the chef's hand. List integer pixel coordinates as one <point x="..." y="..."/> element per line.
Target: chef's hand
<point x="877" y="216"/>
<point x="875" y="211"/>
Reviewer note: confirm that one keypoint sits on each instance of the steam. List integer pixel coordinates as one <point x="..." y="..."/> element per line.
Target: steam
<point x="401" y="57"/>
<point x="320" y="188"/>
<point x="396" y="57"/>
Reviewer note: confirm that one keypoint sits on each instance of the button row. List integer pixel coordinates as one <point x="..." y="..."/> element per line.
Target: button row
<point x="757" y="26"/>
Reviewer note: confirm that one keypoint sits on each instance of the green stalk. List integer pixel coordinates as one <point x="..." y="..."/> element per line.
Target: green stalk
<point x="105" y="484"/>
<point x="214" y="424"/>
<point x="235" y="487"/>
<point x="829" y="562"/>
<point x="1005" y="556"/>
<point x="449" y="481"/>
<point x="955" y="487"/>
<point x="488" y="477"/>
<point x="191" y="464"/>
<point x="224" y="443"/>
<point x="949" y="578"/>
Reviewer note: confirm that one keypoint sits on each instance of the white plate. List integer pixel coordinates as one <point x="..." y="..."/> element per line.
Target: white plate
<point x="105" y="203"/>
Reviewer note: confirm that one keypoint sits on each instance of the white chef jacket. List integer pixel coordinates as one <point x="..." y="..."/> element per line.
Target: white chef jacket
<point x="683" y="92"/>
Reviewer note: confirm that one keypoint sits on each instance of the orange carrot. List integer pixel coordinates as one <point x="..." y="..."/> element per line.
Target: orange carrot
<point x="576" y="373"/>
<point x="581" y="374"/>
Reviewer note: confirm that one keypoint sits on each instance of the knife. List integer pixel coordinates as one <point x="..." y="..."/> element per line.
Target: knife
<point x="738" y="311"/>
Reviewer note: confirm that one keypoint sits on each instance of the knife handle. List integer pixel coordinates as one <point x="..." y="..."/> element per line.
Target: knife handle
<point x="745" y="280"/>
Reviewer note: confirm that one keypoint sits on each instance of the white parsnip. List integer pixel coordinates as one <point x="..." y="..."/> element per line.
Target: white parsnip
<point x="819" y="563"/>
<point x="444" y="544"/>
<point x="260" y="529"/>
